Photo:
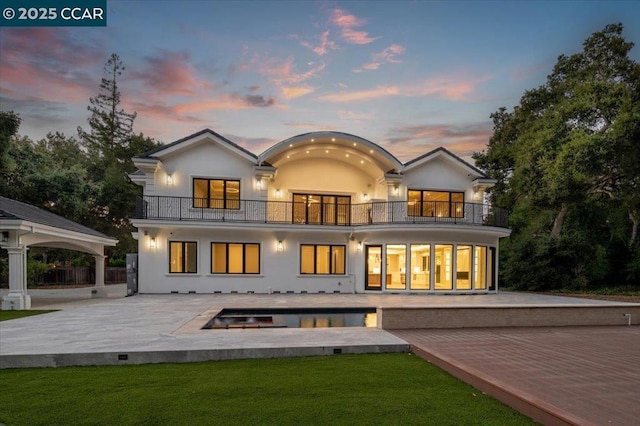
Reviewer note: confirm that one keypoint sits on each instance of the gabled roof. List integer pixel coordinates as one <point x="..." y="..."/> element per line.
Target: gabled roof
<point x="155" y="152"/>
<point x="431" y="155"/>
<point x="17" y="210"/>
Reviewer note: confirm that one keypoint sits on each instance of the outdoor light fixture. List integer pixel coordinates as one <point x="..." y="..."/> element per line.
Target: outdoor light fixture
<point x="278" y="193"/>
<point x="396" y="190"/>
<point x="152" y="243"/>
<point x="259" y="183"/>
<point x="365" y="197"/>
<point x="169" y="180"/>
<point x="280" y="246"/>
<point x="359" y="246"/>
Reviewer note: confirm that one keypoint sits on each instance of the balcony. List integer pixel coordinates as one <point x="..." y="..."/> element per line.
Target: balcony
<point x="154" y="207"/>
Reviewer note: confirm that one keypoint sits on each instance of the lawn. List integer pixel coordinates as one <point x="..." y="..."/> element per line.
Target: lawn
<point x="9" y="315"/>
<point x="345" y="389"/>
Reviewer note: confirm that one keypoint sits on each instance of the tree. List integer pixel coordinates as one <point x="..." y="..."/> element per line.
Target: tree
<point x="9" y="125"/>
<point x="111" y="127"/>
<point x="566" y="161"/>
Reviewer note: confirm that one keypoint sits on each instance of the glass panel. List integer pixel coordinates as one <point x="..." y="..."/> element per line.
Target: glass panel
<point x="337" y="260"/>
<point x="299" y="208"/>
<point x="396" y="264"/>
<point x="191" y="257"/>
<point x="480" y="267"/>
<point x="491" y="262"/>
<point x="457" y="204"/>
<point x="374" y="267"/>
<point x="344" y="206"/>
<point x="175" y="257"/>
<point x="219" y="258"/>
<point x="413" y="203"/>
<point x="252" y="258"/>
<point x="236" y="258"/>
<point x="216" y="196"/>
<point x="313" y="209"/>
<point x="443" y="272"/>
<point x="307" y="263"/>
<point x="420" y="266"/>
<point x="322" y="259"/>
<point x="328" y="210"/>
<point x="233" y="194"/>
<point x="463" y="267"/>
<point x="200" y="192"/>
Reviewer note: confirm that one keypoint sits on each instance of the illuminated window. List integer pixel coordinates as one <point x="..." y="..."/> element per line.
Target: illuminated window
<point x="420" y="270"/>
<point x="235" y="258"/>
<point x="443" y="272"/>
<point x="321" y="209"/>
<point x="463" y="267"/>
<point x="396" y="266"/>
<point x="480" y="267"/>
<point x="429" y="203"/>
<point x="322" y="259"/>
<point x="216" y="193"/>
<point x="183" y="257"/>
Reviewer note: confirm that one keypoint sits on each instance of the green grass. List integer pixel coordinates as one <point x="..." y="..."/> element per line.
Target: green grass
<point x="9" y="315"/>
<point x="345" y="389"/>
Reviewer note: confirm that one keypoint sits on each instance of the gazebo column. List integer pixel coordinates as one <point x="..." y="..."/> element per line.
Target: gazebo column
<point x="17" y="298"/>
<point x="99" y="290"/>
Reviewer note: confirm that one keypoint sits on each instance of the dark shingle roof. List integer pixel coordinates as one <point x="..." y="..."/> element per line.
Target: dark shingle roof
<point x="17" y="210"/>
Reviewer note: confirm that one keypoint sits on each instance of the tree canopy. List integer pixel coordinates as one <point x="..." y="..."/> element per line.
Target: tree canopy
<point x="566" y="161"/>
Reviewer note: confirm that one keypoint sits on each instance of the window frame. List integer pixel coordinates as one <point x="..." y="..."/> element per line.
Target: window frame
<point x="244" y="258"/>
<point x="331" y="263"/>
<point x="322" y="207"/>
<point x="227" y="204"/>
<point x="184" y="262"/>
<point x="451" y="204"/>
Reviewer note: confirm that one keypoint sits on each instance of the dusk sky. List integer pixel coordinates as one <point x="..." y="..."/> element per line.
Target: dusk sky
<point x="407" y="75"/>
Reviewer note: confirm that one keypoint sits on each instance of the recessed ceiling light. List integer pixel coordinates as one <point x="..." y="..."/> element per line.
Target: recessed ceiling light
<point x="333" y="139"/>
<point x="290" y="145"/>
<point x="346" y="155"/>
<point x="370" y="151"/>
<point x="354" y="144"/>
<point x="326" y="151"/>
<point x="313" y="140"/>
<point x="361" y="161"/>
<point x="307" y="152"/>
<point x="288" y="156"/>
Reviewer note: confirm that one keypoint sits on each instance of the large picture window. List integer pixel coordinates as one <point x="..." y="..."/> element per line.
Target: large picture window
<point x="235" y="258"/>
<point x="183" y="257"/>
<point x="429" y="203"/>
<point x="322" y="259"/>
<point x="216" y="193"/>
<point x="321" y="209"/>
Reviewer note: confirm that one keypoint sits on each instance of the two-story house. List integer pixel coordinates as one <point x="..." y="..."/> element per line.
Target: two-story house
<point x="322" y="212"/>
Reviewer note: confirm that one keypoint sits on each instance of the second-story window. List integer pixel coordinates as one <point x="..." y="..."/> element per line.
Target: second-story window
<point x="319" y="209"/>
<point x="216" y="193"/>
<point x="429" y="203"/>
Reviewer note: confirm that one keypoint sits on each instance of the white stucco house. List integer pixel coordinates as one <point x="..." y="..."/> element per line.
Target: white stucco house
<point x="322" y="212"/>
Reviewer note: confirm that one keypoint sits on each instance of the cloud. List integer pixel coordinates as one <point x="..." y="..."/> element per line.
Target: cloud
<point x="324" y="46"/>
<point x="255" y="145"/>
<point x="296" y="91"/>
<point x="362" y="95"/>
<point x="170" y="73"/>
<point x="310" y="126"/>
<point x="446" y="88"/>
<point x="348" y="24"/>
<point x="281" y="72"/>
<point x="387" y="56"/>
<point x="462" y="139"/>
<point x="259" y="100"/>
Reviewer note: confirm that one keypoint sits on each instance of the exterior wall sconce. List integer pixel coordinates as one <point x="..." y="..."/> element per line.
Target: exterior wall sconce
<point x="365" y="197"/>
<point x="278" y="193"/>
<point x="169" y="180"/>
<point x="359" y="246"/>
<point x="396" y="190"/>
<point x="280" y="246"/>
<point x="153" y="243"/>
<point x="259" y="183"/>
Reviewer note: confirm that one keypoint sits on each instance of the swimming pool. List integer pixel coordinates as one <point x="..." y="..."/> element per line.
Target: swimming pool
<point x="293" y="318"/>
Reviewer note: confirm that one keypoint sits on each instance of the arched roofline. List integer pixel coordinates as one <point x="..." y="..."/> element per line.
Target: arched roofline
<point x="384" y="158"/>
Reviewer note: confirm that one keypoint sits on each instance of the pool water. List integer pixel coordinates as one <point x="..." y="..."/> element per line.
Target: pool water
<point x="293" y="318"/>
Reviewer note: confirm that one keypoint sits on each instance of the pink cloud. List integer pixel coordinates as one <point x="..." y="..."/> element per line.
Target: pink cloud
<point x="296" y="91"/>
<point x="282" y="72"/>
<point x="170" y="73"/>
<point x="347" y="24"/>
<point x="387" y="56"/>
<point x="324" y="46"/>
<point x="362" y="95"/>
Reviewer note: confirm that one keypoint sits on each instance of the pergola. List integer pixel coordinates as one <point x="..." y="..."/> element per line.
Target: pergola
<point x="23" y="225"/>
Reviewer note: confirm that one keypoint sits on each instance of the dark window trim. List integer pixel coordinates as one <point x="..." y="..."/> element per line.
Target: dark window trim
<point x="315" y="258"/>
<point x="451" y="203"/>
<point x="184" y="257"/>
<point x="322" y="221"/>
<point x="226" y="203"/>
<point x="244" y="258"/>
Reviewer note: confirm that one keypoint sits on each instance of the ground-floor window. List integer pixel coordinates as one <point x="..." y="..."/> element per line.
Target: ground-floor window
<point x="438" y="267"/>
<point x="183" y="257"/>
<point x="235" y="258"/>
<point x="318" y="259"/>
